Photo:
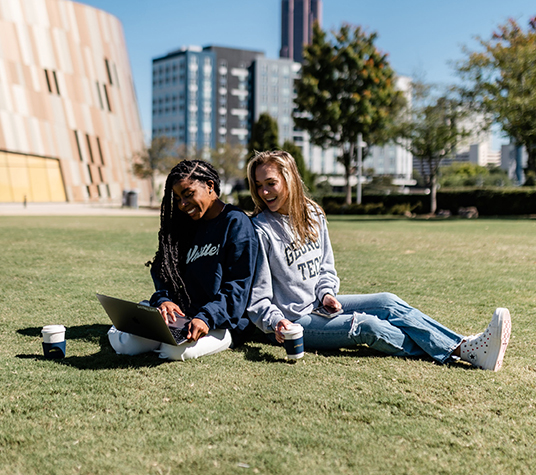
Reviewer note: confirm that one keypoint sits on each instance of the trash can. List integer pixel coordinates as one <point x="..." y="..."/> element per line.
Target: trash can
<point x="132" y="199"/>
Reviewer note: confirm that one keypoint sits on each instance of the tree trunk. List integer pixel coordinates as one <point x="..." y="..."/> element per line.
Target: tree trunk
<point x="151" y="195"/>
<point x="433" y="193"/>
<point x="348" y="171"/>
<point x="348" y="186"/>
<point x="531" y="159"/>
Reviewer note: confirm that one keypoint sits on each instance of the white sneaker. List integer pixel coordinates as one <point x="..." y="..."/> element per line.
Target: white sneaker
<point x="486" y="350"/>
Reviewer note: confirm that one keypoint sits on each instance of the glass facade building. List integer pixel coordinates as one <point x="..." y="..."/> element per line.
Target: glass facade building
<point x="184" y="97"/>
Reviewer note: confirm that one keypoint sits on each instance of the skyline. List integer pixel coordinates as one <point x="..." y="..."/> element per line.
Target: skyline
<point x="408" y="31"/>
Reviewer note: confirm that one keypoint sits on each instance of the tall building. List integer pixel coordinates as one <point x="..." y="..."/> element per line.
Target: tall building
<point x="514" y="161"/>
<point x="233" y="93"/>
<point x="297" y="19"/>
<point x="69" y="119"/>
<point x="273" y="86"/>
<point x="184" y="97"/>
<point x="392" y="159"/>
<point x="201" y="96"/>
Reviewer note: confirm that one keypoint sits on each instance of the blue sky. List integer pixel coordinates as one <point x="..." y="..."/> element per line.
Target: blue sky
<point x="421" y="36"/>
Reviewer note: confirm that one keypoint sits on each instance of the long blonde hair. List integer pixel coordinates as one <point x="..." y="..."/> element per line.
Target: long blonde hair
<point x="302" y="209"/>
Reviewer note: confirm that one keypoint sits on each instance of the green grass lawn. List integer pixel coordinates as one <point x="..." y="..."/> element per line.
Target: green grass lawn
<point x="248" y="410"/>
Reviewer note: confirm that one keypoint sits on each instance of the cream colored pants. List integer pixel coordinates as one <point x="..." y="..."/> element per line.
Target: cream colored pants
<point x="129" y="344"/>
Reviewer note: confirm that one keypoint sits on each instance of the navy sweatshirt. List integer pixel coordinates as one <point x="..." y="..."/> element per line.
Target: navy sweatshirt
<point x="219" y="270"/>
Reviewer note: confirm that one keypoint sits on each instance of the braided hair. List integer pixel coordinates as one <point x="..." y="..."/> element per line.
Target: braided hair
<point x="177" y="230"/>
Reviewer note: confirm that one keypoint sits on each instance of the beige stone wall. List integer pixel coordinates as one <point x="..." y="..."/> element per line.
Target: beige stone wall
<point x="67" y="95"/>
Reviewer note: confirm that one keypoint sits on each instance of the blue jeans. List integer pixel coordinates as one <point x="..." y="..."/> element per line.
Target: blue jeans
<point x="385" y="323"/>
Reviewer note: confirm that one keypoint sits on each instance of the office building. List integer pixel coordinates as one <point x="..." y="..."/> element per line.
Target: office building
<point x="273" y="86"/>
<point x="69" y="119"/>
<point x="233" y="93"/>
<point x="514" y="160"/>
<point x="202" y="96"/>
<point x="297" y="20"/>
<point x="184" y="97"/>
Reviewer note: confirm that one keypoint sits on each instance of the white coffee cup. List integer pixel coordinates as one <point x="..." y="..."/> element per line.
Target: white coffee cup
<point x="293" y="341"/>
<point x="53" y="333"/>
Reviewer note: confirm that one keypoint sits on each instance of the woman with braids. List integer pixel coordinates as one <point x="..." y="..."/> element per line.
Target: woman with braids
<point x="295" y="273"/>
<point x="203" y="268"/>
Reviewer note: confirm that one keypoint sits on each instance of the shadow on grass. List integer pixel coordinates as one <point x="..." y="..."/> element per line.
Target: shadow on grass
<point x="105" y="358"/>
<point x="257" y="353"/>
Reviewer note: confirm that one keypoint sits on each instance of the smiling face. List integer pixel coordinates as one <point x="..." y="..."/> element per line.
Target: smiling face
<point x="196" y="198"/>
<point x="272" y="188"/>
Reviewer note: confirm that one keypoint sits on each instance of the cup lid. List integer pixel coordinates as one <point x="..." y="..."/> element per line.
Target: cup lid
<point x="53" y="329"/>
<point x="292" y="328"/>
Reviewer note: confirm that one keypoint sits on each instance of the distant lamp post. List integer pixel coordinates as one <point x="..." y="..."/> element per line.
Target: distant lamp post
<point x="360" y="146"/>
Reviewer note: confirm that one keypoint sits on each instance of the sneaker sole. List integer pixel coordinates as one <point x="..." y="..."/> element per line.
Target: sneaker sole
<point x="501" y="330"/>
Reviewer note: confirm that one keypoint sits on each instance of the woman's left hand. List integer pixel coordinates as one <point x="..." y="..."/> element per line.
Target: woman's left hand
<point x="196" y="329"/>
<point x="330" y="301"/>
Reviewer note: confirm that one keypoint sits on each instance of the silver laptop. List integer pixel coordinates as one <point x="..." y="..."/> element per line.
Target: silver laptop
<point x="144" y="321"/>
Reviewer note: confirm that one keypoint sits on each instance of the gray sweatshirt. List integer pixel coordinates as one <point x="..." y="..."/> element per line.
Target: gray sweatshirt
<point x="289" y="281"/>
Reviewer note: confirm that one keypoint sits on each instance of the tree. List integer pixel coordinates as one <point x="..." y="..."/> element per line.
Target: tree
<point x="307" y="176"/>
<point x="159" y="157"/>
<point x="471" y="174"/>
<point x="501" y="81"/>
<point x="229" y="161"/>
<point x="430" y="129"/>
<point x="264" y="135"/>
<point x="346" y="88"/>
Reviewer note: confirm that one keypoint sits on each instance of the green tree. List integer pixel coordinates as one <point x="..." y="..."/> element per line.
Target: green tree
<point x="229" y="161"/>
<point x="471" y="174"/>
<point x="264" y="135"/>
<point x="346" y="88"/>
<point x="500" y="80"/>
<point x="159" y="157"/>
<point x="430" y="129"/>
<point x="307" y="176"/>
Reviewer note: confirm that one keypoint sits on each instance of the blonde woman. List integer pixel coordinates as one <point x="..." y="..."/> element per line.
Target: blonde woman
<point x="295" y="273"/>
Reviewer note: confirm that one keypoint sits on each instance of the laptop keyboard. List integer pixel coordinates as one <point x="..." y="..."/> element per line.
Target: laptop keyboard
<point x="179" y="334"/>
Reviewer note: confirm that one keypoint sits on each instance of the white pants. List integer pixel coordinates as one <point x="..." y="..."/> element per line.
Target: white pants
<point x="129" y="344"/>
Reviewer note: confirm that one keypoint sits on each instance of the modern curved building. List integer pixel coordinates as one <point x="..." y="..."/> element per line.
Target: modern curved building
<point x="69" y="118"/>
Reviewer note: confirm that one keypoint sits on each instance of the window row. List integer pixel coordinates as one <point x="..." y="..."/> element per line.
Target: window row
<point x="86" y="144"/>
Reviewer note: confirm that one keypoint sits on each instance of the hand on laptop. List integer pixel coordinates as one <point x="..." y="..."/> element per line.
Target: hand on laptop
<point x="196" y="329"/>
<point x="168" y="309"/>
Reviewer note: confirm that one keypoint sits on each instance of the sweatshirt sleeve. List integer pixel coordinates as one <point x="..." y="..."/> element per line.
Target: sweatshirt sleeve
<point x="230" y="302"/>
<point x="328" y="283"/>
<point x="261" y="311"/>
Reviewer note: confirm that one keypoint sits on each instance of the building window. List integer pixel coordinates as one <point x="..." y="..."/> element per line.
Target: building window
<point x="100" y="96"/>
<point x="116" y="77"/>
<point x="108" y="71"/>
<point x="56" y="82"/>
<point x="48" y="81"/>
<point x="89" y="148"/>
<point x="107" y="98"/>
<point x="78" y="146"/>
<point x="100" y="151"/>
<point x="90" y="175"/>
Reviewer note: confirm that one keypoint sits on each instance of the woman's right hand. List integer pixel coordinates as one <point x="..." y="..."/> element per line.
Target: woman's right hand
<point x="282" y="325"/>
<point x="168" y="309"/>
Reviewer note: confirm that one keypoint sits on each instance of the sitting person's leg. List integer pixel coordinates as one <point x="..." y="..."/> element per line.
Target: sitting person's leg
<point x="434" y="339"/>
<point x="129" y="344"/>
<point x="214" y="342"/>
<point x="485" y="350"/>
<point x="350" y="329"/>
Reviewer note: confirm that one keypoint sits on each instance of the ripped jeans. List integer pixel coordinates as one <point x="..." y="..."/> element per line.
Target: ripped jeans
<point x="385" y="323"/>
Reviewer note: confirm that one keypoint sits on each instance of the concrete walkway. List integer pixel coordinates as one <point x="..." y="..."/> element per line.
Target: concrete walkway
<point x="73" y="209"/>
